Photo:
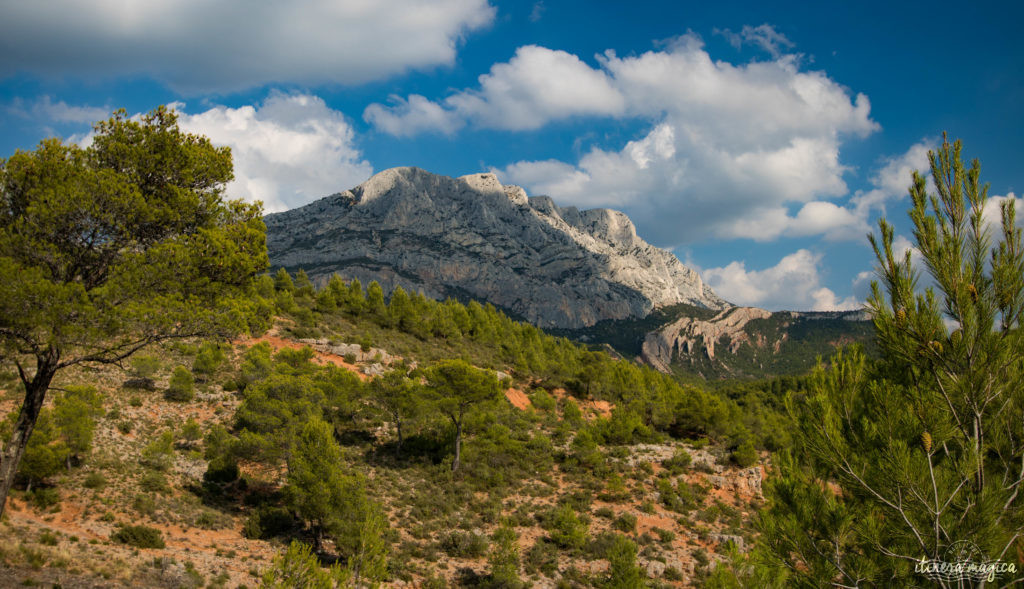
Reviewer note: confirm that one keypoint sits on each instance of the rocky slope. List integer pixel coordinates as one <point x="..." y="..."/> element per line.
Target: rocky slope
<point x="473" y="237"/>
<point x="752" y="342"/>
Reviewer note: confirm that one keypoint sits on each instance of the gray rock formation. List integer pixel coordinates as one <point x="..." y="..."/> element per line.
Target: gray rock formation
<point x="473" y="237"/>
<point x="687" y="335"/>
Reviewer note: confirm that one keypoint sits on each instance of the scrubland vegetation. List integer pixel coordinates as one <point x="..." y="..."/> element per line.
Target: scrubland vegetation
<point x="353" y="439"/>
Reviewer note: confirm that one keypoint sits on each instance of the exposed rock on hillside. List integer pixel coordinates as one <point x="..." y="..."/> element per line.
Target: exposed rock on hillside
<point x="472" y="236"/>
<point x="687" y="336"/>
<point x="752" y="342"/>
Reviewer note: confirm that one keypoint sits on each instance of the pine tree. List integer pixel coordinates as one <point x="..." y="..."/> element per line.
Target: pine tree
<point x="902" y="460"/>
<point x="317" y="488"/>
<point x="110" y="248"/>
<point x="75" y="413"/>
<point x="456" y="387"/>
<point x="504" y="558"/>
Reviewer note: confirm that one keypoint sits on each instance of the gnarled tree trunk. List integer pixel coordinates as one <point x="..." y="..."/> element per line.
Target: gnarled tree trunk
<point x="35" y="394"/>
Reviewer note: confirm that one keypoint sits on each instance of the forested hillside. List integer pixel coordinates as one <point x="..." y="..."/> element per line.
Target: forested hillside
<point x="337" y="429"/>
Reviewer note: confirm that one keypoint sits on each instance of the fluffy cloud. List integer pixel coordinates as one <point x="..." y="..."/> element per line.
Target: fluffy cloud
<point x="893" y="179"/>
<point x="536" y="86"/>
<point x="731" y="150"/>
<point x="289" y="151"/>
<point x="412" y="116"/>
<point x="993" y="214"/>
<point x="197" y="46"/>
<point x="794" y="283"/>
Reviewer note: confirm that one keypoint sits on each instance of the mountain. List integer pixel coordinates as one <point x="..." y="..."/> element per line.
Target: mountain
<point x="472" y="237"/>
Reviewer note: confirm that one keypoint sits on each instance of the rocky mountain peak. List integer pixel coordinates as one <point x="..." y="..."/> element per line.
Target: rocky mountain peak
<point x="472" y="237"/>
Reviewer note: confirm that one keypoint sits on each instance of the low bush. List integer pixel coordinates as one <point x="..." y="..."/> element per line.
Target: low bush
<point x="464" y="545"/>
<point x="267" y="522"/>
<point x="625" y="522"/>
<point x="138" y="536"/>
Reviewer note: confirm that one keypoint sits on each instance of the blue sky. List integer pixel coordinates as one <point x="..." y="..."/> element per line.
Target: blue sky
<point x="760" y="141"/>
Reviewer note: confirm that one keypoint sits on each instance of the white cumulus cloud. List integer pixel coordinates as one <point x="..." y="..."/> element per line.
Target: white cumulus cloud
<point x="537" y="86"/>
<point x="288" y="151"/>
<point x="197" y="46"/>
<point x="412" y="116"/>
<point x="993" y="213"/>
<point x="730" y="149"/>
<point x="794" y="283"/>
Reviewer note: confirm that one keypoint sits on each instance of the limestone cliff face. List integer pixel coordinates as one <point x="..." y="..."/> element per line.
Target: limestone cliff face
<point x="472" y="236"/>
<point x="687" y="336"/>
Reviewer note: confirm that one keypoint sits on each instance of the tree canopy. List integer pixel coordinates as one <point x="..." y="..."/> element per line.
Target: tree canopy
<point x="905" y="459"/>
<point x="108" y="248"/>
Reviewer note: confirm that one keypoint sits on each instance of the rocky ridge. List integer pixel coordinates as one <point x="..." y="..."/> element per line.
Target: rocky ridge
<point x="687" y="335"/>
<point x="747" y="341"/>
<point x="472" y="237"/>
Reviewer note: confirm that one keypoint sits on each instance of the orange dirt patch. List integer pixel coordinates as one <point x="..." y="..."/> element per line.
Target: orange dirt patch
<point x="518" y="399"/>
<point x="591" y="409"/>
<point x="602" y="408"/>
<point x="322" y="358"/>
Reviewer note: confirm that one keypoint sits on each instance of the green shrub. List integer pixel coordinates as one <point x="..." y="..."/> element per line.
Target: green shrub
<point x="679" y="462"/>
<point x="672" y="574"/>
<point x="542" y="557"/>
<point x="145" y="366"/>
<point x="267" y="522"/>
<point x="154" y="482"/>
<point x="221" y="469"/>
<point x="625" y="522"/>
<point x="190" y="431"/>
<point x="543" y="400"/>
<point x="464" y="545"/>
<point x="665" y="536"/>
<point x="138" y="536"/>
<point x="159" y="454"/>
<point x="745" y="454"/>
<point x="94" y="480"/>
<point x="566" y="529"/>
<point x="144" y="504"/>
<point x="571" y="412"/>
<point x="44" y="497"/>
<point x="208" y="359"/>
<point x="622" y="570"/>
<point x="47" y="538"/>
<point x="181" y="385"/>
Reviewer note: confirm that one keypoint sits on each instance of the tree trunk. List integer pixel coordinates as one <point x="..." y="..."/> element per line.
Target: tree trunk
<point x="35" y="393"/>
<point x="398" y="426"/>
<point x="458" y="441"/>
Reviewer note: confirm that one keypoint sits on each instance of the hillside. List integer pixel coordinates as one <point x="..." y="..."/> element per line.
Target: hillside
<point x="588" y="476"/>
<point x="473" y="238"/>
<point x="739" y="342"/>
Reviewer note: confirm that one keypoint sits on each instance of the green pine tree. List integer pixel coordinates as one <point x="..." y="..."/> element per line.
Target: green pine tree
<point x="903" y="459"/>
<point x="110" y="248"/>
<point x="456" y="387"/>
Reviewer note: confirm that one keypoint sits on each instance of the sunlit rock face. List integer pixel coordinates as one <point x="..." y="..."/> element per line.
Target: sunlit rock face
<point x="472" y="237"/>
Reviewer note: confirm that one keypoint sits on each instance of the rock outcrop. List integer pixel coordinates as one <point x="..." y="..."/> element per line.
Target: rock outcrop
<point x="472" y="237"/>
<point x="687" y="336"/>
